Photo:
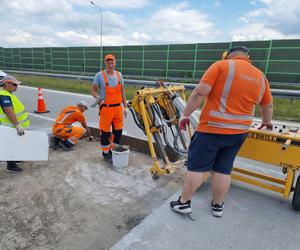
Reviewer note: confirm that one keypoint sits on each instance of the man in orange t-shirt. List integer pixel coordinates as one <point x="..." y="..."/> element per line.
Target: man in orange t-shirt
<point x="231" y="89"/>
<point x="67" y="135"/>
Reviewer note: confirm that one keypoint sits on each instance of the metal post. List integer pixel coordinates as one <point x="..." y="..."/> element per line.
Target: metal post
<point x="101" y="49"/>
<point x="143" y="60"/>
<point x="167" y="65"/>
<point x="195" y="61"/>
<point x="268" y="58"/>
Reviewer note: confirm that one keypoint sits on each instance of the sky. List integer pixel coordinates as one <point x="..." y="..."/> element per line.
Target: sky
<point x="44" y="23"/>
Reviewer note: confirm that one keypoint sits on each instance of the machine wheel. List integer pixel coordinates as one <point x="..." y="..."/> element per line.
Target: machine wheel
<point x="155" y="176"/>
<point x="296" y="197"/>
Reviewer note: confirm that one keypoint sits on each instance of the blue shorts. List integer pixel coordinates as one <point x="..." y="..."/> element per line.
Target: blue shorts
<point x="214" y="152"/>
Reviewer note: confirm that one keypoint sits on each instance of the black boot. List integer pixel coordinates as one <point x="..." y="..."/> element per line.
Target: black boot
<point x="12" y="167"/>
<point x="65" y="145"/>
<point x="107" y="157"/>
<point x="56" y="141"/>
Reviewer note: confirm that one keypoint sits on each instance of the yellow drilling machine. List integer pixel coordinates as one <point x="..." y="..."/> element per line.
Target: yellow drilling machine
<point x="157" y="111"/>
<point x="156" y="115"/>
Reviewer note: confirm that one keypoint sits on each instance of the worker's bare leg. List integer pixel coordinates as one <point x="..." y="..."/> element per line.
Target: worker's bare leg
<point x="220" y="184"/>
<point x="192" y="181"/>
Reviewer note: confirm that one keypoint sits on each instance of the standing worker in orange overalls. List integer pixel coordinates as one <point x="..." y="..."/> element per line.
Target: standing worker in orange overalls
<point x="66" y="135"/>
<point x="108" y="88"/>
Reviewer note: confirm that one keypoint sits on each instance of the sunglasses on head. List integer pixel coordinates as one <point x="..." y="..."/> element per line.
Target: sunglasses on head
<point x="12" y="83"/>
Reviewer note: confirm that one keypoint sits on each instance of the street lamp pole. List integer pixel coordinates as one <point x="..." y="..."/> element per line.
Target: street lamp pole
<point x="101" y="49"/>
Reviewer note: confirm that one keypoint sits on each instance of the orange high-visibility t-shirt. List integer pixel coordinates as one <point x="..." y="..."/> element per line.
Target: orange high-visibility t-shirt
<point x="237" y="87"/>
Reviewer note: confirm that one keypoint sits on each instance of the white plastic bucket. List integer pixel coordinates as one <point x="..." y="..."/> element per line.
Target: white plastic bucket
<point x="120" y="156"/>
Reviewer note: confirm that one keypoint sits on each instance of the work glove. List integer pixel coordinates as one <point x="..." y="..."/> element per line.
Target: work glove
<point x="268" y="126"/>
<point x="183" y="122"/>
<point x="20" y="130"/>
<point x="125" y="112"/>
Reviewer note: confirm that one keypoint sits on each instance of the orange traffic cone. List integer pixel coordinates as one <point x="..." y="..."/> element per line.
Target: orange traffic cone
<point x="41" y="106"/>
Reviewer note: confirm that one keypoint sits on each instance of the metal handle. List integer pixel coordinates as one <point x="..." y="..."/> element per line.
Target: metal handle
<point x="286" y="144"/>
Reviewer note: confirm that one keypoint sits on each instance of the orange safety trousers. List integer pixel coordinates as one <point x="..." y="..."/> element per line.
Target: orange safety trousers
<point x="68" y="132"/>
<point x="111" y="116"/>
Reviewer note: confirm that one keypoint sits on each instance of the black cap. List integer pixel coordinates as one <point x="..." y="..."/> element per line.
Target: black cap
<point x="243" y="49"/>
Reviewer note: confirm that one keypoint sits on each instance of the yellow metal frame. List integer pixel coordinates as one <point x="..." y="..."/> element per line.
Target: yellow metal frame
<point x="141" y="104"/>
<point x="280" y="149"/>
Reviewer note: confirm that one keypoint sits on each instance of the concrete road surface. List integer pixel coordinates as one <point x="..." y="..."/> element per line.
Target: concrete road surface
<point x="252" y="219"/>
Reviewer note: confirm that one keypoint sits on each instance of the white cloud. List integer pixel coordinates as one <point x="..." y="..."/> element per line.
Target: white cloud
<point x="142" y="37"/>
<point x="36" y="8"/>
<point x="282" y="17"/>
<point x="275" y="20"/>
<point x="21" y="38"/>
<point x="76" y="23"/>
<point x="54" y="23"/>
<point x="119" y="4"/>
<point x="72" y="36"/>
<point x="258" y="31"/>
<point x="178" y="24"/>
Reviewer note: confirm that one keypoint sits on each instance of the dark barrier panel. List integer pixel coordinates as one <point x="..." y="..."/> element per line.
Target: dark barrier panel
<point x="278" y="59"/>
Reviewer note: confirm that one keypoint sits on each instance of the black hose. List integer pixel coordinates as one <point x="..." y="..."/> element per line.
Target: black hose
<point x="139" y="124"/>
<point x="153" y="113"/>
<point x="158" y="110"/>
<point x="175" y="147"/>
<point x="183" y="152"/>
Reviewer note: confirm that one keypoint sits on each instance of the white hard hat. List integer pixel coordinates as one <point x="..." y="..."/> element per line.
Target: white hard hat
<point x="83" y="103"/>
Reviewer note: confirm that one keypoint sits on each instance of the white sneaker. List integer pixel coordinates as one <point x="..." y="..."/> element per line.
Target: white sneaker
<point x="179" y="207"/>
<point x="217" y="209"/>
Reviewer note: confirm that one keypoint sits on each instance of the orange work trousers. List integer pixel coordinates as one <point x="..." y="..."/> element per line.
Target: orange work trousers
<point x="68" y="132"/>
<point x="111" y="116"/>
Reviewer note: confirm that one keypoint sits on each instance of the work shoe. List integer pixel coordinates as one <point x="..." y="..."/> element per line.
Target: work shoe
<point x="217" y="209"/>
<point x="179" y="207"/>
<point x="56" y="141"/>
<point x="107" y="157"/>
<point x="12" y="167"/>
<point x="64" y="145"/>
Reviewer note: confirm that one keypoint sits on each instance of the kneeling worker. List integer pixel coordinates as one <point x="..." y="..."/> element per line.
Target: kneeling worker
<point x="67" y="135"/>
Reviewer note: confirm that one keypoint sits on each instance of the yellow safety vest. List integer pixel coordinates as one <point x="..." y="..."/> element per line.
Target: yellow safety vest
<point x="19" y="110"/>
